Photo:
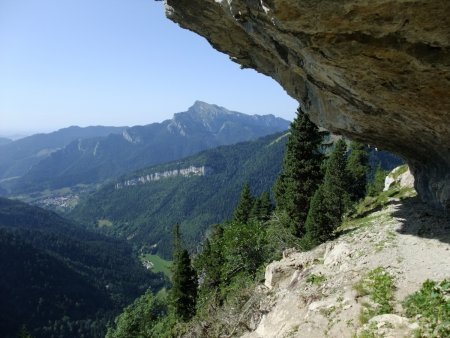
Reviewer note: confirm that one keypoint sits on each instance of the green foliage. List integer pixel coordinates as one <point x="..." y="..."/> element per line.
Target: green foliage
<point x="60" y="279"/>
<point x="330" y="201"/>
<point x="146" y="213"/>
<point x="316" y="279"/>
<point x="358" y="168"/>
<point x="401" y="170"/>
<point x="279" y="237"/>
<point x="379" y="286"/>
<point x="184" y="281"/>
<point x="24" y="333"/>
<point x="138" y="320"/>
<point x="245" y="206"/>
<point x="231" y="261"/>
<point x="377" y="185"/>
<point x="210" y="261"/>
<point x="266" y="207"/>
<point x="262" y="208"/>
<point x="243" y="248"/>
<point x="431" y="306"/>
<point x="301" y="173"/>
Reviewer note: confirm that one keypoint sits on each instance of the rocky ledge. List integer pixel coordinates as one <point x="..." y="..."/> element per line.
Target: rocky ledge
<point x="375" y="71"/>
<point x="319" y="293"/>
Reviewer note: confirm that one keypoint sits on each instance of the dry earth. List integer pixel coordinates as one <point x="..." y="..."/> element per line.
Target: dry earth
<point x="312" y="294"/>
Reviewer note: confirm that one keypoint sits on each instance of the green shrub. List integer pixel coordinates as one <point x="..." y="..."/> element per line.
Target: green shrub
<point x="316" y="279"/>
<point x="379" y="286"/>
<point x="431" y="305"/>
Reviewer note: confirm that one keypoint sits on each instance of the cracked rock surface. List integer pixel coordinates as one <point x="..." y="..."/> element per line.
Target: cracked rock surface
<point x="376" y="71"/>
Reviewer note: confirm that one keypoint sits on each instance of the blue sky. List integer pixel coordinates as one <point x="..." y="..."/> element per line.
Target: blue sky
<point x="114" y="62"/>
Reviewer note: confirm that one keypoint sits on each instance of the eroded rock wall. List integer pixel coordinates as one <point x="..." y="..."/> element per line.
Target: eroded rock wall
<point x="376" y="71"/>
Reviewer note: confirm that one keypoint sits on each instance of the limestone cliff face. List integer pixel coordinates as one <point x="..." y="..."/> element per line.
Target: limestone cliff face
<point x="376" y="71"/>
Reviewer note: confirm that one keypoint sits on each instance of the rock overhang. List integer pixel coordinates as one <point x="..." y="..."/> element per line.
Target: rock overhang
<point x="375" y="71"/>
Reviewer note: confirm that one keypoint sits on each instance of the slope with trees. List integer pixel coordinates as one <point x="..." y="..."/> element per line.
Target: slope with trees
<point x="145" y="213"/>
<point x="20" y="155"/>
<point x="60" y="280"/>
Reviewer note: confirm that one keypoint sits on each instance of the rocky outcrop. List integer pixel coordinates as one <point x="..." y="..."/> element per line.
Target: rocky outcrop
<point x="375" y="71"/>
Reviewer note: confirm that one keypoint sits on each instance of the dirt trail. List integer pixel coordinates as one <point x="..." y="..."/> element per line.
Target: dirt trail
<point x="312" y="294"/>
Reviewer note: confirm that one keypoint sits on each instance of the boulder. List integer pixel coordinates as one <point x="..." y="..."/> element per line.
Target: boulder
<point x="399" y="176"/>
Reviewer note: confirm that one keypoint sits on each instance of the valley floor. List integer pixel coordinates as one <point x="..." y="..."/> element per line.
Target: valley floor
<point x="316" y="294"/>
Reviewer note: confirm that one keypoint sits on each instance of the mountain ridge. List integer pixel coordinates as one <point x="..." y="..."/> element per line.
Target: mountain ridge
<point x="91" y="160"/>
<point x="18" y="156"/>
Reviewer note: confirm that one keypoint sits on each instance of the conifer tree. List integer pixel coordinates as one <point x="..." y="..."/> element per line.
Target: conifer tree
<point x="210" y="261"/>
<point x="358" y="169"/>
<point x="266" y="206"/>
<point x="301" y="173"/>
<point x="262" y="208"/>
<point x="184" y="280"/>
<point x="331" y="200"/>
<point x="244" y="208"/>
<point x="256" y="212"/>
<point x="377" y="185"/>
<point x="24" y="333"/>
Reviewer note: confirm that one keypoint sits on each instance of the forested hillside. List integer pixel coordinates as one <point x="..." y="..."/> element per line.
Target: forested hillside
<point x="4" y="140"/>
<point x="60" y="280"/>
<point x="146" y="212"/>
<point x="20" y="155"/>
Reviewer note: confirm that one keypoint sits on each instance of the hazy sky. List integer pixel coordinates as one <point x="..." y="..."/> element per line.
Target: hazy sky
<point x="114" y="62"/>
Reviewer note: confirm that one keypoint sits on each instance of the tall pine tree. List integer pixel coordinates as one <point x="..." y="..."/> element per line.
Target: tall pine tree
<point x="377" y="185"/>
<point x="301" y="173"/>
<point x="244" y="208"/>
<point x="266" y="206"/>
<point x="210" y="261"/>
<point x="184" y="279"/>
<point x="358" y="169"/>
<point x="262" y="208"/>
<point x="331" y="200"/>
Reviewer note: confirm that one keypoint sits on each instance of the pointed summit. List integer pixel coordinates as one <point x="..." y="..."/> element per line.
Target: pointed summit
<point x="203" y="110"/>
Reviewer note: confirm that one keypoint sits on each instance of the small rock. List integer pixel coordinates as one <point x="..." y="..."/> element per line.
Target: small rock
<point x="337" y="254"/>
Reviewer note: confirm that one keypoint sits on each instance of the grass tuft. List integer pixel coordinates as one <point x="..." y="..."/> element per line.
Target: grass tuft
<point x="379" y="286"/>
<point x="431" y="307"/>
<point x="316" y="279"/>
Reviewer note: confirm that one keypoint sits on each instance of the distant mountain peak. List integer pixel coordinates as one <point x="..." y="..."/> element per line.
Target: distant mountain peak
<point x="204" y="109"/>
<point x="202" y="105"/>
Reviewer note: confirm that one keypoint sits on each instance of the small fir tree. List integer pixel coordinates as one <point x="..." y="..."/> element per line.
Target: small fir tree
<point x="266" y="206"/>
<point x="331" y="200"/>
<point x="358" y="169"/>
<point x="184" y="280"/>
<point x="24" y="333"/>
<point x="262" y="208"/>
<point x="210" y="261"/>
<point x="244" y="208"/>
<point x="255" y="214"/>
<point x="301" y="173"/>
<point x="377" y="184"/>
<point x="318" y="226"/>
